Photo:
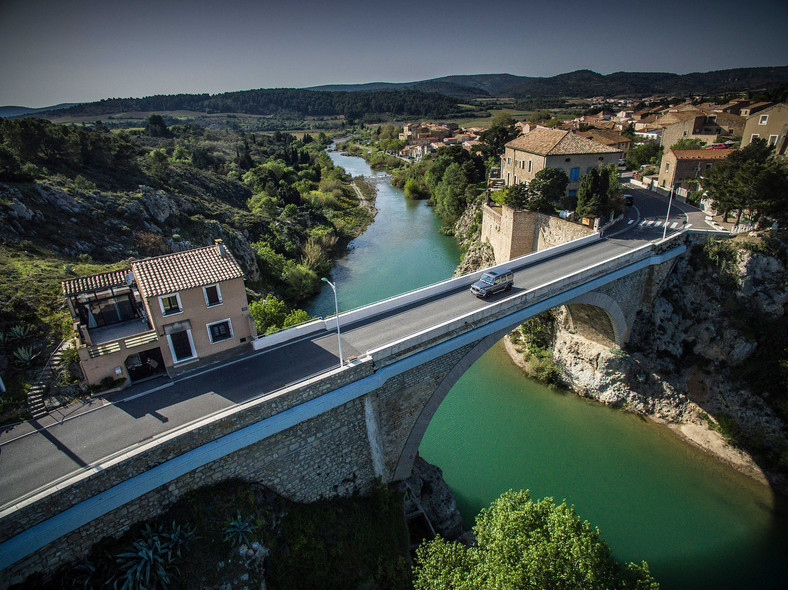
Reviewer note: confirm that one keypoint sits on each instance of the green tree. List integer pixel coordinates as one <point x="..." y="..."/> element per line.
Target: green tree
<point x="527" y="545"/>
<point x="156" y="127"/>
<point x="589" y="198"/>
<point x="414" y="190"/>
<point x="643" y="154"/>
<point x="749" y="179"/>
<point x="517" y="196"/>
<point x="687" y="143"/>
<point x="501" y="131"/>
<point x="268" y="314"/>
<point x="548" y="188"/>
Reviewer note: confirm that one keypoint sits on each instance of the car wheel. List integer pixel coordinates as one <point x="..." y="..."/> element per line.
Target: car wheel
<point x="508" y="286"/>
<point x="486" y="294"/>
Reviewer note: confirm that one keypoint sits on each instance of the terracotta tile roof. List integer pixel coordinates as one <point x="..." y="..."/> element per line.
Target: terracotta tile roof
<point x="184" y="270"/>
<point x="550" y="142"/>
<point x="604" y="136"/>
<point x="702" y="154"/>
<point x="95" y="282"/>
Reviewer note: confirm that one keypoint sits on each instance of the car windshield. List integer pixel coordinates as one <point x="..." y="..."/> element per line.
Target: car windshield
<point x="489" y="279"/>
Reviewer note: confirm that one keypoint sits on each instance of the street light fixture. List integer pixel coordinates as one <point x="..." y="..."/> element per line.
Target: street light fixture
<point x="336" y="307"/>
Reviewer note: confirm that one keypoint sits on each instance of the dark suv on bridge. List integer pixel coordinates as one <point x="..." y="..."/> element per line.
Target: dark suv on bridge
<point x="492" y="282"/>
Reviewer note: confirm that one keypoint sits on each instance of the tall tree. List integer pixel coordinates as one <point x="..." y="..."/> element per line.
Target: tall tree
<point x="500" y="132"/>
<point x="589" y="200"/>
<point x="548" y="188"/>
<point x="749" y="179"/>
<point x="527" y="545"/>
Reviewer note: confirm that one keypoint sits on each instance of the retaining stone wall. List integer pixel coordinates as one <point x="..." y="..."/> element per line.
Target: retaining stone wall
<point x="325" y="456"/>
<point x="245" y="415"/>
<point x="514" y="233"/>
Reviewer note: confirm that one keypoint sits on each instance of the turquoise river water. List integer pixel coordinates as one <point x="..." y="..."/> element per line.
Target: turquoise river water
<point x="698" y="523"/>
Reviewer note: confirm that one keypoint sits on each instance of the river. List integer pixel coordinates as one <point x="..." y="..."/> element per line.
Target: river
<point x="698" y="523"/>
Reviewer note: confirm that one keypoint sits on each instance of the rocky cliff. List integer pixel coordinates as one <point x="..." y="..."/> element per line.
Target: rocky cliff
<point x="709" y="358"/>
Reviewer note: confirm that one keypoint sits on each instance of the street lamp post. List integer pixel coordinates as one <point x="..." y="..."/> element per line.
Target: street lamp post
<point x="336" y="307"/>
<point x="667" y="217"/>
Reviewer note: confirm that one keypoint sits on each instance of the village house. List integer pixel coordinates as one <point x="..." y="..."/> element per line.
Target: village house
<point x="159" y="314"/>
<point x="608" y="137"/>
<point x="771" y="124"/>
<point x="710" y="127"/>
<point x="554" y="148"/>
<point x="679" y="166"/>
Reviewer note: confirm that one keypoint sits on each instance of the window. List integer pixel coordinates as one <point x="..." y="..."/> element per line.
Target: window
<point x="685" y="133"/>
<point x="170" y="304"/>
<point x="219" y="331"/>
<point x="708" y="165"/>
<point x="763" y="120"/>
<point x="213" y="295"/>
<point x="181" y="346"/>
<point x="530" y="165"/>
<point x="754" y="137"/>
<point x="574" y="174"/>
<point x="667" y="166"/>
<point x="773" y="139"/>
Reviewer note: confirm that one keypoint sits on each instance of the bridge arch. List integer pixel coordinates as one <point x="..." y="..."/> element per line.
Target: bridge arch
<point x="593" y="315"/>
<point x="598" y="317"/>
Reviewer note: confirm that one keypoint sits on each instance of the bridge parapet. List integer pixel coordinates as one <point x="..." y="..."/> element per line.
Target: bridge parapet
<point x="589" y="276"/>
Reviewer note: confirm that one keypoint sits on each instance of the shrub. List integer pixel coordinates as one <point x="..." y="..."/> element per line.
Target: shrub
<point x="239" y="530"/>
<point x="24" y="355"/>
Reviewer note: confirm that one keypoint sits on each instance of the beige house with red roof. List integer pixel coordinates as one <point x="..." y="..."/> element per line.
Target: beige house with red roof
<point x="680" y="165"/>
<point x="160" y="314"/>
<point x="554" y="148"/>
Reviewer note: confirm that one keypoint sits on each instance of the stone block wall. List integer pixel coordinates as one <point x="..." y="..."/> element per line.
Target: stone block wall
<point x="37" y="511"/>
<point x="513" y="233"/>
<point x="322" y="457"/>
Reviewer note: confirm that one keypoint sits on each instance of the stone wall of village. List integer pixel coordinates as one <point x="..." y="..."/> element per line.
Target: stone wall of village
<point x="513" y="233"/>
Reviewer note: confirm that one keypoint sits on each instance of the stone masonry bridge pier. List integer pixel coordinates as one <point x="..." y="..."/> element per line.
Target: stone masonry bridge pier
<point x="334" y="433"/>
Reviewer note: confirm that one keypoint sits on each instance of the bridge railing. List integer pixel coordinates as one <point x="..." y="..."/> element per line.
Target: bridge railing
<point x="373" y="309"/>
<point x="523" y="299"/>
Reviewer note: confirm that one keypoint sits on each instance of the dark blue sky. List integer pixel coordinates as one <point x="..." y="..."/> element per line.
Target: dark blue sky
<point x="83" y="50"/>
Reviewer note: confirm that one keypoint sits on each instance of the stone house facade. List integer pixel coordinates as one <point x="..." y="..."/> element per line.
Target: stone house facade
<point x="159" y="315"/>
<point x="680" y="165"/>
<point x="770" y="124"/>
<point x="554" y="148"/>
<point x="709" y="127"/>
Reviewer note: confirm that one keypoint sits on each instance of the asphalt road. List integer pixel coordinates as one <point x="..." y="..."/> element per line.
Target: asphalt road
<point x="34" y="455"/>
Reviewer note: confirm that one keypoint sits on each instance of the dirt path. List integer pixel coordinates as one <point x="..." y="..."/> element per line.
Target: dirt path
<point x="366" y="203"/>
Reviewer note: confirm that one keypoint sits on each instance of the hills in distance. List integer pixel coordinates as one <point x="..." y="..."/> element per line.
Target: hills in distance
<point x="586" y="84"/>
<point x="438" y="97"/>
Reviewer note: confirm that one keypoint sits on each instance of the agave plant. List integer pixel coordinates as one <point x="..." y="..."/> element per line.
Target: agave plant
<point x="148" y="565"/>
<point x="82" y="575"/>
<point x="239" y="529"/>
<point x="24" y="355"/>
<point x="19" y="332"/>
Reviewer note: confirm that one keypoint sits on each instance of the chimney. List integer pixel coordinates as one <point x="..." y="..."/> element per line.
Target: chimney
<point x="222" y="249"/>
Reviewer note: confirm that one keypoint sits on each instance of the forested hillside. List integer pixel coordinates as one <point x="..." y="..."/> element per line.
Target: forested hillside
<point x="77" y="201"/>
<point x="280" y="101"/>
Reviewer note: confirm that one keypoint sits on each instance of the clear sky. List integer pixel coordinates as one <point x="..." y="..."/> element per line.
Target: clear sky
<point x="82" y="50"/>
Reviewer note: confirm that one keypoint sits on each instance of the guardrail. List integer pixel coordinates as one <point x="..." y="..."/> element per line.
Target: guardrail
<point x="386" y="305"/>
<point x="529" y="297"/>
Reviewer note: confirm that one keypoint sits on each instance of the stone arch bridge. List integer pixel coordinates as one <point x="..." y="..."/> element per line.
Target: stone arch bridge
<point x="334" y="433"/>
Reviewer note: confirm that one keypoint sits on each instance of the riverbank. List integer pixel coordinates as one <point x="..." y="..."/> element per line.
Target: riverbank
<point x="704" y="362"/>
<point x="699" y="435"/>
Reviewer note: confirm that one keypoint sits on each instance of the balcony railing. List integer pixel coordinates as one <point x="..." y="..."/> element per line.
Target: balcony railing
<point x="122" y="344"/>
